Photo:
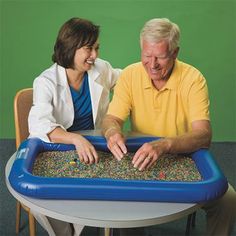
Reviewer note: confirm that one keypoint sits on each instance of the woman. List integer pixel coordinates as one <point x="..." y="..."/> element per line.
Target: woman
<point x="72" y="95"/>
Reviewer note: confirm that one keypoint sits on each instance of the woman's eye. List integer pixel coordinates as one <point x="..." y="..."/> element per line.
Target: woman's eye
<point x="90" y="48"/>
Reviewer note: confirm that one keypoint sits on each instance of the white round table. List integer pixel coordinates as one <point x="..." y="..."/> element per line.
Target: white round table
<point x="107" y="214"/>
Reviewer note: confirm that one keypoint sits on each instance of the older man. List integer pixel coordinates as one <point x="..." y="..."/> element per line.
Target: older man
<point x="167" y="98"/>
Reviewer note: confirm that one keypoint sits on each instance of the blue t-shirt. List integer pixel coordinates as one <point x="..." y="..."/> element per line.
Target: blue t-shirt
<point x="83" y="118"/>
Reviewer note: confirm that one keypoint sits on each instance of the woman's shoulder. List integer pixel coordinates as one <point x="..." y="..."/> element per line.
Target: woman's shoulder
<point x="100" y="62"/>
<point x="101" y="65"/>
<point x="50" y="72"/>
<point x="51" y="75"/>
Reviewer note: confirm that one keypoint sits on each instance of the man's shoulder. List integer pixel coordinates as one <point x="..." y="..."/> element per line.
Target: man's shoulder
<point x="187" y="68"/>
<point x="134" y="70"/>
<point x="133" y="67"/>
<point x="188" y="73"/>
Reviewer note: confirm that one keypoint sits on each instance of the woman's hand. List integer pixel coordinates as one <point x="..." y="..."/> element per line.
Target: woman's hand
<point x="84" y="148"/>
<point x="86" y="151"/>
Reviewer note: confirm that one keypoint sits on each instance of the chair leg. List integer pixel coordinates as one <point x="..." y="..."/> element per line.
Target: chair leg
<point x="107" y="232"/>
<point x="187" y="231"/>
<point x="18" y="216"/>
<point x="194" y="219"/>
<point x="190" y="223"/>
<point x="31" y="224"/>
<point x="97" y="231"/>
<point x="111" y="231"/>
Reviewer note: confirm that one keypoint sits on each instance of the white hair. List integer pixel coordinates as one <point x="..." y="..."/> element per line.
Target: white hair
<point x="159" y="29"/>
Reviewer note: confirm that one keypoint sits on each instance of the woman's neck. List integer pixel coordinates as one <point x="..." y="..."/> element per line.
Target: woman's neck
<point x="74" y="78"/>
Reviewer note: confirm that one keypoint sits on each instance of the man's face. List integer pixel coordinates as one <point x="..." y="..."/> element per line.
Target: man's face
<point x="157" y="60"/>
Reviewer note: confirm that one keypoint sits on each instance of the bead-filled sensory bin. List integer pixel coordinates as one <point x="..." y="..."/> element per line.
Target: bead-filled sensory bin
<point x="53" y="171"/>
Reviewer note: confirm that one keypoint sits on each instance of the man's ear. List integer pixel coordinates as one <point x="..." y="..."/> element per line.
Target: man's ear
<point x="176" y="52"/>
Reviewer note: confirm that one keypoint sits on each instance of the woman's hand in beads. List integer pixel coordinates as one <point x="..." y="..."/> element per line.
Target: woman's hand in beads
<point x="86" y="151"/>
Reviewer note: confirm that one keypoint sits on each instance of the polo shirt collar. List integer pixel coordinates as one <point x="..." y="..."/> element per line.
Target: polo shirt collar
<point x="172" y="81"/>
<point x="147" y="81"/>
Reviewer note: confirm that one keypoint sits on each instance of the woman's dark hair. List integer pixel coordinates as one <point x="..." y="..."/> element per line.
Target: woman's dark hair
<point x="74" y="34"/>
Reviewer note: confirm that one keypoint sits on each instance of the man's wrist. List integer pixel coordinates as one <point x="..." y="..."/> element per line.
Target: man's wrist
<point x="164" y="143"/>
<point x="110" y="131"/>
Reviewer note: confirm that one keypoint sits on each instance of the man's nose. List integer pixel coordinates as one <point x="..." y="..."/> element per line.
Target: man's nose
<point x="154" y="62"/>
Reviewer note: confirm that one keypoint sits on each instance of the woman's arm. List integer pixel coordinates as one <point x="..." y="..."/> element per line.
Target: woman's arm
<point x="84" y="148"/>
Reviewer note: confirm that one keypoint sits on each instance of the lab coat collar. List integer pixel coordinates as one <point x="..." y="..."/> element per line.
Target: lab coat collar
<point x="61" y="75"/>
<point x="63" y="85"/>
<point x="96" y="87"/>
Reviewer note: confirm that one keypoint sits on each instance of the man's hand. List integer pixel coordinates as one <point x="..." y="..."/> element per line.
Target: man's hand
<point x="148" y="154"/>
<point x="111" y="129"/>
<point x="116" y="144"/>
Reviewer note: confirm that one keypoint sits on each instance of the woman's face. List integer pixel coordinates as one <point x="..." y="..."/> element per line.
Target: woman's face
<point x="85" y="57"/>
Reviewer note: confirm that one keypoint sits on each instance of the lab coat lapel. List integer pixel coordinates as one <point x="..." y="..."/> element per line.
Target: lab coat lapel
<point x="95" y="86"/>
<point x="64" y="88"/>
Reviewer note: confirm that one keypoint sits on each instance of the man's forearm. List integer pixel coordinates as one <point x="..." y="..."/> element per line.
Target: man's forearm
<point x="189" y="142"/>
<point x="110" y="125"/>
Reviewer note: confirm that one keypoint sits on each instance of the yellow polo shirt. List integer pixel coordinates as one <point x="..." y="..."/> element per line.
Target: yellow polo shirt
<point x="165" y="113"/>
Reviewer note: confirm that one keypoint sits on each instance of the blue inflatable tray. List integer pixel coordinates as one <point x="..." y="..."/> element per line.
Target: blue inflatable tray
<point x="213" y="184"/>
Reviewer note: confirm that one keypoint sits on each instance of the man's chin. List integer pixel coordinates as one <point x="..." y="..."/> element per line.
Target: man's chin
<point x="155" y="77"/>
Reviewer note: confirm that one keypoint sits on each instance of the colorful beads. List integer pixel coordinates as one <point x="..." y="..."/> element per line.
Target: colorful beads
<point x="162" y="175"/>
<point x="67" y="164"/>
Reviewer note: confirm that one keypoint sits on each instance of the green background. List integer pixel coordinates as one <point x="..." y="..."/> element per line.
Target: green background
<point x="208" y="41"/>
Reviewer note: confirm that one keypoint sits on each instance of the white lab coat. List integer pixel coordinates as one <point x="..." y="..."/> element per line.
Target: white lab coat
<point x="52" y="101"/>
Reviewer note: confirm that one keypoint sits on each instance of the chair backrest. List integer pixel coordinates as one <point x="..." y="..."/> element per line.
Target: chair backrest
<point x="22" y="104"/>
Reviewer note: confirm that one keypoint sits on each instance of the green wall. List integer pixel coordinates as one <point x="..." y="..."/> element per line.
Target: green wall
<point x="208" y="41"/>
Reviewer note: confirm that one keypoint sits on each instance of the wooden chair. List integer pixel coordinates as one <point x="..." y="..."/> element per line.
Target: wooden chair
<point x="22" y="104"/>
